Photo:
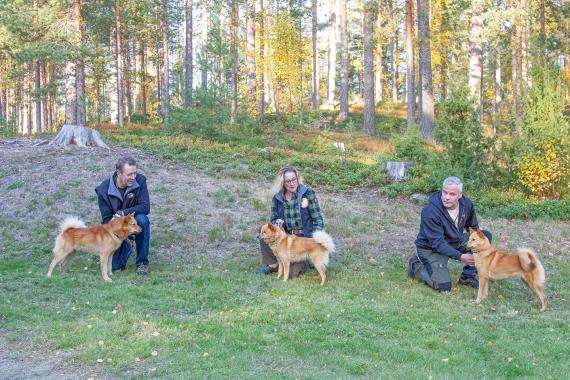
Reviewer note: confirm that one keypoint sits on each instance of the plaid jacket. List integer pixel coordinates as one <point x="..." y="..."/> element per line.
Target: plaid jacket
<point x="298" y="219"/>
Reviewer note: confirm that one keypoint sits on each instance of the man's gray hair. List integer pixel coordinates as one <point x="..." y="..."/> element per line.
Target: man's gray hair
<point x="453" y="181"/>
<point x="122" y="161"/>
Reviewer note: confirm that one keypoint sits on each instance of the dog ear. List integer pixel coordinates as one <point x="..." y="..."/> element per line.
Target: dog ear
<point x="272" y="227"/>
<point x="132" y="214"/>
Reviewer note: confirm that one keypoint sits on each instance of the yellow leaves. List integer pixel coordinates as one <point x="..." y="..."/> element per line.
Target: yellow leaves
<point x="490" y="344"/>
<point x="541" y="172"/>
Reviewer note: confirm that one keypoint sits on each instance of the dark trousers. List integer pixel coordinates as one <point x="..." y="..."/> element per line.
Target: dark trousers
<point x="268" y="258"/>
<point x="142" y="240"/>
<point x="433" y="270"/>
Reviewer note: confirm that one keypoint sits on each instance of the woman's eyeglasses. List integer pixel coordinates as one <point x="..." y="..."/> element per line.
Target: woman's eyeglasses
<point x="291" y="181"/>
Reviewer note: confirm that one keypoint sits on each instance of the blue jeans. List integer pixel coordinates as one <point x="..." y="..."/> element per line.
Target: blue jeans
<point x="142" y="240"/>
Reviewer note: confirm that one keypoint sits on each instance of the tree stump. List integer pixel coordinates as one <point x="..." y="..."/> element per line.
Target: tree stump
<point x="397" y="171"/>
<point x="78" y="135"/>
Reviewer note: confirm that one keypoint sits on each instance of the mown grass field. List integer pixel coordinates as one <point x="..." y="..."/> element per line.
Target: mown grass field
<point x="205" y="314"/>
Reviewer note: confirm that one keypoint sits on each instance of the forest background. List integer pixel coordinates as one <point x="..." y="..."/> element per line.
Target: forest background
<point x="477" y="88"/>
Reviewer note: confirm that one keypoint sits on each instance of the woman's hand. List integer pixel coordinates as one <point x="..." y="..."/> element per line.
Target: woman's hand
<point x="279" y="223"/>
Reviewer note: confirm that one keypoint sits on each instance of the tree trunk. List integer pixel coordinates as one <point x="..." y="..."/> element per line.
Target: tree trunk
<point x="379" y="54"/>
<point x="234" y="57"/>
<point x="44" y="100"/>
<point x="81" y="108"/>
<point x="332" y="54"/>
<point x="496" y="75"/>
<point x="426" y="106"/>
<point x="410" y="71"/>
<point x="204" y="47"/>
<point x="261" y="101"/>
<point x="188" y="52"/>
<point x="128" y="76"/>
<point x="369" y="126"/>
<point x="165" y="65"/>
<point x="250" y="58"/>
<point x="476" y="57"/>
<point x="393" y="54"/>
<point x="143" y="80"/>
<point x="118" y="60"/>
<point x="315" y="97"/>
<point x="343" y="114"/>
<point x="517" y="65"/>
<point x="38" y="87"/>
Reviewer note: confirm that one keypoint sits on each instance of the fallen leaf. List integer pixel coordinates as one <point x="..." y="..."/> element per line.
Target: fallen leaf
<point x="89" y="327"/>
<point x="509" y="359"/>
<point x="442" y="338"/>
<point x="154" y="354"/>
<point x="99" y="360"/>
<point x="145" y="323"/>
<point x="84" y="268"/>
<point x="445" y="360"/>
<point x="474" y="318"/>
<point x="381" y="274"/>
<point x="114" y="311"/>
<point x="205" y="354"/>
<point x="381" y="290"/>
<point x="100" y="343"/>
<point x="137" y="359"/>
<point x="155" y="333"/>
<point x="490" y="344"/>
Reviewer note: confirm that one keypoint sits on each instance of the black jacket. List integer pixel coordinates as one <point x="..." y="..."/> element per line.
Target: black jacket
<point x="136" y="198"/>
<point x="437" y="230"/>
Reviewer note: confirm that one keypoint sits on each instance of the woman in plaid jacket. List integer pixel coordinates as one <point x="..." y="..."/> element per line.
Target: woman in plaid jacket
<point x="295" y="208"/>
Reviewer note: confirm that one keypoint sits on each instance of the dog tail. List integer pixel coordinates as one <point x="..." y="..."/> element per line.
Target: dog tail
<point x="325" y="240"/>
<point x="530" y="262"/>
<point x="71" y="222"/>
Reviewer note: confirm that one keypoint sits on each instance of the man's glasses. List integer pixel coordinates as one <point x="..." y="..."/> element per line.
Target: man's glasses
<point x="291" y="181"/>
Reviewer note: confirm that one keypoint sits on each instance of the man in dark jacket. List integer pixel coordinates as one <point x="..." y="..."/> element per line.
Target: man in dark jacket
<point x="442" y="236"/>
<point x="121" y="194"/>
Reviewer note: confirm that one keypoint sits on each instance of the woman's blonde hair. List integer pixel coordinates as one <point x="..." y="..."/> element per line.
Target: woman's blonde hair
<point x="279" y="181"/>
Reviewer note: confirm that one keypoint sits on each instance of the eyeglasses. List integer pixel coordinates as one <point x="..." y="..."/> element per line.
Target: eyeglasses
<point x="291" y="181"/>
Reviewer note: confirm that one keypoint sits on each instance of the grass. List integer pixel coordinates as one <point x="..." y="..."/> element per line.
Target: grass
<point x="223" y="321"/>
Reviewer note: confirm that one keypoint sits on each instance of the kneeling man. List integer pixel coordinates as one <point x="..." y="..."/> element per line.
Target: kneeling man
<point x="121" y="194"/>
<point x="443" y="236"/>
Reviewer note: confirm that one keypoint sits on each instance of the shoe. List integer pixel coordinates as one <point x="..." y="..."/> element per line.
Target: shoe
<point x="470" y="281"/>
<point x="413" y="261"/>
<point x="142" y="269"/>
<point x="266" y="269"/>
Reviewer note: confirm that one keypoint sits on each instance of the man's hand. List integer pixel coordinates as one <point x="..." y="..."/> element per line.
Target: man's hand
<point x="118" y="214"/>
<point x="467" y="258"/>
<point x="279" y="223"/>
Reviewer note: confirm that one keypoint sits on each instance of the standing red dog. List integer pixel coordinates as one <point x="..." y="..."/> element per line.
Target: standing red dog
<point x="102" y="240"/>
<point x="496" y="264"/>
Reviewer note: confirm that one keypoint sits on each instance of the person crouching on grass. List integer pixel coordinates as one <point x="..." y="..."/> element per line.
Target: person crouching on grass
<point x="443" y="236"/>
<point x="294" y="207"/>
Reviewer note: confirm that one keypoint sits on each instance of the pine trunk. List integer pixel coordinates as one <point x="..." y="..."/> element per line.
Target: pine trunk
<point x="118" y="60"/>
<point x="410" y="71"/>
<point x="262" y="81"/>
<point x="369" y="126"/>
<point x="476" y="56"/>
<point x="517" y="66"/>
<point x="204" y="42"/>
<point x="315" y="97"/>
<point x="38" y="87"/>
<point x="165" y="65"/>
<point x="332" y="55"/>
<point x="250" y="58"/>
<point x="427" y="103"/>
<point x="379" y="55"/>
<point x="188" y="53"/>
<point x="343" y="114"/>
<point x="234" y="57"/>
